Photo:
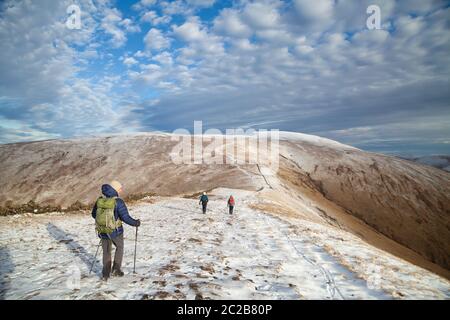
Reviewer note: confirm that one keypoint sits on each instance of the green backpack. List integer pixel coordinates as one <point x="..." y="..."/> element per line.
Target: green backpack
<point x="105" y="221"/>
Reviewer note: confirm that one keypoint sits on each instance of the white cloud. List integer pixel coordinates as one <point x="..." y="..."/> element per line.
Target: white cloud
<point x="262" y="15"/>
<point x="130" y="61"/>
<point x="164" y="58"/>
<point x="141" y="54"/>
<point x="307" y="77"/>
<point x="150" y="74"/>
<point x="201" y="42"/>
<point x="291" y="64"/>
<point x="201" y="3"/>
<point x="190" y="31"/>
<point x="142" y="4"/>
<point x="111" y="25"/>
<point x="230" y="23"/>
<point x="148" y="2"/>
<point x="114" y="25"/>
<point x="129" y="26"/>
<point x="318" y="10"/>
<point x="176" y="7"/>
<point x="155" y="40"/>
<point x="243" y="45"/>
<point x="278" y="36"/>
<point x="304" y="49"/>
<point x="153" y="18"/>
<point x="42" y="91"/>
<point x="420" y="7"/>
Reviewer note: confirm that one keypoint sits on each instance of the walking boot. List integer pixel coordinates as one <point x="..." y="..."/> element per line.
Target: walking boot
<point x="117" y="272"/>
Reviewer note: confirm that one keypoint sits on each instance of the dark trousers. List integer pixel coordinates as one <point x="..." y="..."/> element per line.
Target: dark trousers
<point x="118" y="256"/>
<point x="231" y="209"/>
<point x="204" y="204"/>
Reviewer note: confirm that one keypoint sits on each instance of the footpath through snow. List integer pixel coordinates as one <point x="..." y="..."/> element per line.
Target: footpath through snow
<point x="183" y="254"/>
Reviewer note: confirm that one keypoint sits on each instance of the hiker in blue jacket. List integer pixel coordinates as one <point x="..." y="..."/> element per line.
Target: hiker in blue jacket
<point x="204" y="202"/>
<point x="121" y="214"/>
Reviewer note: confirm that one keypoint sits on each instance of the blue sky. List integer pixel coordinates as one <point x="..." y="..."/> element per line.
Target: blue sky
<point x="300" y="65"/>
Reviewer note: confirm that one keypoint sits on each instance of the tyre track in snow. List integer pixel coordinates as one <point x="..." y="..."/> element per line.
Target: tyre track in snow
<point x="235" y="240"/>
<point x="286" y="249"/>
<point x="265" y="262"/>
<point x="332" y="288"/>
<point x="330" y="283"/>
<point x="249" y="224"/>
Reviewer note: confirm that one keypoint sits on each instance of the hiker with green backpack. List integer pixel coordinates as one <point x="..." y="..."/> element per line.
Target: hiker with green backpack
<point x="109" y="212"/>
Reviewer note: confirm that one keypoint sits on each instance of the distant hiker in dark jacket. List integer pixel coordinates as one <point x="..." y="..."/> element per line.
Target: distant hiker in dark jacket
<point x="109" y="212"/>
<point x="231" y="204"/>
<point x="204" y="201"/>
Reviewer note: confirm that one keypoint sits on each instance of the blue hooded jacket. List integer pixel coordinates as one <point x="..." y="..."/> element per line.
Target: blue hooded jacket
<point x="204" y="198"/>
<point x="120" y="211"/>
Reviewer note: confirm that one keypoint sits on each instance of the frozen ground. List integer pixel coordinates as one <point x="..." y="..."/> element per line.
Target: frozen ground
<point x="183" y="254"/>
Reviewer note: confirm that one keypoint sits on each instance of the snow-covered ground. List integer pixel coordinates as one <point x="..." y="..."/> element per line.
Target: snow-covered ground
<point x="183" y="254"/>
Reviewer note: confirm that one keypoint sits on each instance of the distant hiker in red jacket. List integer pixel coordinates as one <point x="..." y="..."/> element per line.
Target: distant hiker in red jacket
<point x="231" y="204"/>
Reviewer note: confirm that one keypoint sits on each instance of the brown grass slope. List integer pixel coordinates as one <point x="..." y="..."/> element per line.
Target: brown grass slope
<point x="407" y="202"/>
<point x="62" y="172"/>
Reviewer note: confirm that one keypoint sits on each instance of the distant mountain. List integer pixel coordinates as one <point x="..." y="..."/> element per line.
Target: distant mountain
<point x="438" y="161"/>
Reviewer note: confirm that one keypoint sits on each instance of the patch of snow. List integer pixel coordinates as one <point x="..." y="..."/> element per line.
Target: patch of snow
<point x="315" y="140"/>
<point x="183" y="254"/>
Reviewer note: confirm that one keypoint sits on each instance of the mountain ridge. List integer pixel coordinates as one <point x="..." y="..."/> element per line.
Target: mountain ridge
<point x="318" y="179"/>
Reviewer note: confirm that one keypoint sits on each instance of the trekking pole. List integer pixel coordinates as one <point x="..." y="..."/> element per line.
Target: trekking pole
<point x="95" y="258"/>
<point x="135" y="245"/>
